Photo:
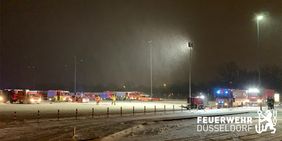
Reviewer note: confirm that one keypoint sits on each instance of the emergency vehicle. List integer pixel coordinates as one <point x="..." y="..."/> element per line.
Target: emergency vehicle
<point x="79" y="97"/>
<point x="197" y="102"/>
<point x="24" y="96"/>
<point x="224" y="97"/>
<point x="59" y="96"/>
<point x="133" y="95"/>
<point x="240" y="97"/>
<point x="3" y="96"/>
<point x="256" y="97"/>
<point x="144" y="97"/>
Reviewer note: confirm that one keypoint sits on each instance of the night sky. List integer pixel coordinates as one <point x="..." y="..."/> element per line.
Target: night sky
<point x="39" y="39"/>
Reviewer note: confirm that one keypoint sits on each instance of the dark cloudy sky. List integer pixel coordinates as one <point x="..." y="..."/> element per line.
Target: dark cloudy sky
<point x="39" y="39"/>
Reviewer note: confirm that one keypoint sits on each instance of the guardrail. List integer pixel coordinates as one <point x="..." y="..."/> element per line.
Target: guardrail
<point x="93" y="113"/>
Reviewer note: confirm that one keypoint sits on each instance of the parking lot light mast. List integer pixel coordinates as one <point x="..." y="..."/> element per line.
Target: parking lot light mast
<point x="74" y="75"/>
<point x="190" y="47"/>
<point x="151" y="67"/>
<point x="258" y="19"/>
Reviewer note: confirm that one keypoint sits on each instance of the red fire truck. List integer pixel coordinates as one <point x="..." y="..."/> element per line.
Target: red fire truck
<point x="240" y="98"/>
<point x="79" y="97"/>
<point x="197" y="102"/>
<point x="24" y="96"/>
<point x="59" y="96"/>
<point x="144" y="97"/>
<point x="255" y="96"/>
<point x="224" y="97"/>
<point x="133" y="95"/>
<point x="268" y="94"/>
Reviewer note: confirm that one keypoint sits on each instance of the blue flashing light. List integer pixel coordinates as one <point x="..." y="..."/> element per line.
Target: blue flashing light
<point x="218" y="91"/>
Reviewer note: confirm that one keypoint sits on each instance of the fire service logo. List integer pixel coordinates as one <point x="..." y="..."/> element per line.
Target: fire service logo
<point x="266" y="120"/>
<point x="224" y="124"/>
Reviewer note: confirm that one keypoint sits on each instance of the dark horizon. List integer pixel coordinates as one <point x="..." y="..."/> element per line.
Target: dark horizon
<point x="39" y="40"/>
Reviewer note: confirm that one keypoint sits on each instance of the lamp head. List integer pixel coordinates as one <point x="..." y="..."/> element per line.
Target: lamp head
<point x="259" y="17"/>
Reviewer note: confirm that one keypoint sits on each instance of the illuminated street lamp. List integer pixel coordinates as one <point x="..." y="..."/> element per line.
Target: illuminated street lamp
<point x="190" y="48"/>
<point x="258" y="19"/>
<point x="164" y="90"/>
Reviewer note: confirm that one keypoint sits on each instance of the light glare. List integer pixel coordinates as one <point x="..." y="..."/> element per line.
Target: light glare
<point x="277" y="97"/>
<point x="202" y="97"/>
<point x="259" y="17"/>
<point x="253" y="90"/>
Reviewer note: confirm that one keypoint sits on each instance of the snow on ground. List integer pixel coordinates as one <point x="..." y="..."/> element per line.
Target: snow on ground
<point x="101" y="127"/>
<point x="50" y="110"/>
<point x="186" y="130"/>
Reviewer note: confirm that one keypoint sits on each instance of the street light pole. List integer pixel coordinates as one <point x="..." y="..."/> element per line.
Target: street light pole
<point x="151" y="66"/>
<point x="74" y="75"/>
<point x="258" y="19"/>
<point x="190" y="47"/>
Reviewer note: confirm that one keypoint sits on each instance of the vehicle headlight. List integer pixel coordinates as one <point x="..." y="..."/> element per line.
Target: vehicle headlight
<point x="31" y="99"/>
<point x="50" y="99"/>
<point x="216" y="103"/>
<point x="85" y="100"/>
<point x="259" y="100"/>
<point x="1" y="98"/>
<point x="225" y="104"/>
<point x="39" y="99"/>
<point x="246" y="101"/>
<point x="64" y="99"/>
